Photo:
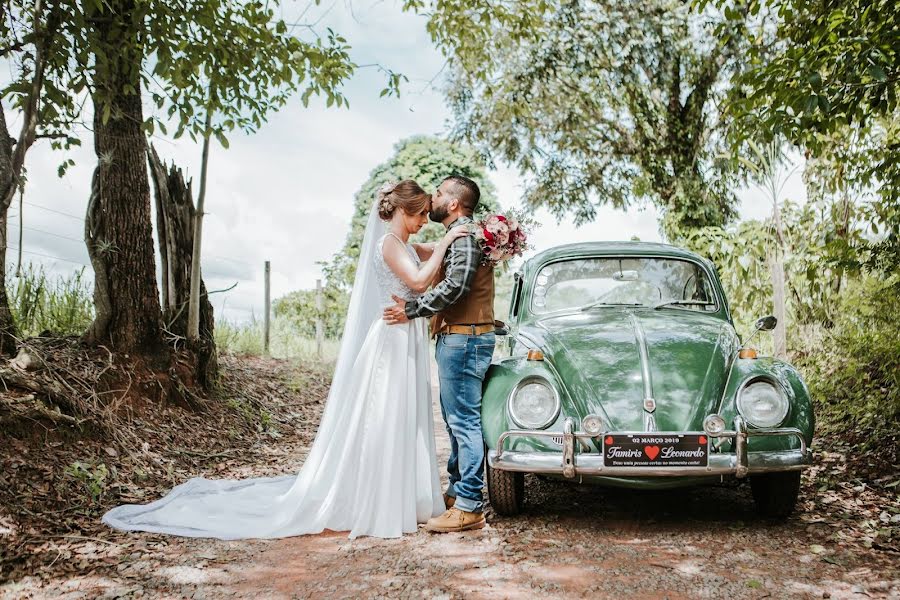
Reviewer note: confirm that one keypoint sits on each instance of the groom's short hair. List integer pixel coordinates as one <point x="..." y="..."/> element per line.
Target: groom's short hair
<point x="466" y="191"/>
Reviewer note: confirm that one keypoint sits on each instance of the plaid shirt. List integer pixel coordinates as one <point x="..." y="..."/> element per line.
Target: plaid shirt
<point x="460" y="265"/>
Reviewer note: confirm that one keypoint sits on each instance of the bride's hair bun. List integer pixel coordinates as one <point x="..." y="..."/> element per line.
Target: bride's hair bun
<point x="386" y="205"/>
<point x="406" y="195"/>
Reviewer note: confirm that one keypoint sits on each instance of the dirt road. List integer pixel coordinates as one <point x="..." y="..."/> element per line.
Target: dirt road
<point x="571" y="542"/>
<point x="576" y="541"/>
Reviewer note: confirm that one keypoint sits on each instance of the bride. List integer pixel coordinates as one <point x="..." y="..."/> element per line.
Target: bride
<point x="372" y="469"/>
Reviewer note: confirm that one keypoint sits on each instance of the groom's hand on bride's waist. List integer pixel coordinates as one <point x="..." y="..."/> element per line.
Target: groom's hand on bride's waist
<point x="396" y="314"/>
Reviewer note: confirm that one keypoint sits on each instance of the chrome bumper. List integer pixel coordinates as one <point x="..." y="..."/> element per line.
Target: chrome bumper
<point x="740" y="463"/>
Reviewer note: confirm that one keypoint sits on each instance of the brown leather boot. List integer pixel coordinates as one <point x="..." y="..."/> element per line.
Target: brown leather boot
<point x="455" y="520"/>
<point x="449" y="501"/>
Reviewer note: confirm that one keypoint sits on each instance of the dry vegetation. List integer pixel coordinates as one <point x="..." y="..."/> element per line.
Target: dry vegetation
<point x="65" y="463"/>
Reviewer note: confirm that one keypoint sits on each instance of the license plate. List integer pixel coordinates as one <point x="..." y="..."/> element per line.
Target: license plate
<point x="656" y="450"/>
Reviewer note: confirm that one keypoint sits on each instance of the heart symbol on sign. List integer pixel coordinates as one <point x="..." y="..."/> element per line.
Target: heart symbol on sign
<point x="651" y="451"/>
<point x="702" y="439"/>
<point x="608" y="440"/>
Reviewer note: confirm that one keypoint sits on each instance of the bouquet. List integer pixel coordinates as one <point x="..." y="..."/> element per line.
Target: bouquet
<point x="502" y="237"/>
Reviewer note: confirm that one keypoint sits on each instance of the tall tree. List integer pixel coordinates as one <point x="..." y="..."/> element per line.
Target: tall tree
<point x="124" y="36"/>
<point x="30" y="39"/>
<point x="828" y="83"/>
<point x="600" y="102"/>
<point x="118" y="229"/>
<point x="765" y="169"/>
<point x="426" y="159"/>
<point x="175" y="51"/>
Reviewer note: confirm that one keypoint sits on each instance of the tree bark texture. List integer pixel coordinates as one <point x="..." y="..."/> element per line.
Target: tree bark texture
<point x="8" y="331"/>
<point x="118" y="225"/>
<point x="175" y="215"/>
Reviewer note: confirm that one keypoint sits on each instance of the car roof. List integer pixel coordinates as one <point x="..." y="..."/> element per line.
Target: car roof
<point x="582" y="249"/>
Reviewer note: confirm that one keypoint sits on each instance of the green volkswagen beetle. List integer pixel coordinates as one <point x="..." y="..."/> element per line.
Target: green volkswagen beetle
<point x="622" y="367"/>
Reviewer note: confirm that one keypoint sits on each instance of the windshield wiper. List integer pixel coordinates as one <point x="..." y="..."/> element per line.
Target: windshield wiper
<point x="599" y="304"/>
<point x="682" y="303"/>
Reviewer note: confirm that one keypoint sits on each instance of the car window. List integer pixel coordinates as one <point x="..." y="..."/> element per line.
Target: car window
<point x="608" y="281"/>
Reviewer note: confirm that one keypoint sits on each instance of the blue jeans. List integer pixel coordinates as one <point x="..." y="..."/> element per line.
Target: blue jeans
<point x="463" y="361"/>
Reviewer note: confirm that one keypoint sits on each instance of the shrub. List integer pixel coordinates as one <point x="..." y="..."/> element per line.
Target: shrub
<point x="853" y="370"/>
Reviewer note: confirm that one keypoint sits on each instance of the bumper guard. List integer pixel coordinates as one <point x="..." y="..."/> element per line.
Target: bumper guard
<point x="568" y="463"/>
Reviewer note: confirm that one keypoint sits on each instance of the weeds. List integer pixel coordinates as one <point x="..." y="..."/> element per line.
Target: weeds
<point x="284" y="340"/>
<point x="93" y="478"/>
<point x="63" y="306"/>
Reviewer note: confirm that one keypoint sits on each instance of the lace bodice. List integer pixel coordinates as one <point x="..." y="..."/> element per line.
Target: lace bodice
<point x="388" y="283"/>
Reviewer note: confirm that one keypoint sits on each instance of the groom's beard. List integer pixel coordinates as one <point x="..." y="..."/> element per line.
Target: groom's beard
<point x="437" y="215"/>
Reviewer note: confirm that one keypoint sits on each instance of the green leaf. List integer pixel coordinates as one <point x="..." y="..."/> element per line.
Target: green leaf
<point x="877" y="73"/>
<point x="222" y="139"/>
<point x="811" y="103"/>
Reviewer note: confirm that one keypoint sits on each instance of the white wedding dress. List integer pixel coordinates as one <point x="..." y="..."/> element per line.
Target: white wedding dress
<point x="372" y="469"/>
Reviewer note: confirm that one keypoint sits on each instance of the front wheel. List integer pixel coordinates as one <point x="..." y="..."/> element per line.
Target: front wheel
<point x="775" y="494"/>
<point x="506" y="490"/>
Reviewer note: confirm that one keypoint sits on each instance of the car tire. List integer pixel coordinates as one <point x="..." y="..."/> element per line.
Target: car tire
<point x="506" y="491"/>
<point x="775" y="494"/>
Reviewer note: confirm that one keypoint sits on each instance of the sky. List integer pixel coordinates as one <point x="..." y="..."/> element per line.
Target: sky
<point x="285" y="194"/>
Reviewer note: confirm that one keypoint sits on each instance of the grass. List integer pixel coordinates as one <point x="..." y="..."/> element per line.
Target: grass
<point x="61" y="305"/>
<point x="64" y="306"/>
<point x="284" y="340"/>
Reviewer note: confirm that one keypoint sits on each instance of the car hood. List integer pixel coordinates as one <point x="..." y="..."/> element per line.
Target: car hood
<point x="598" y="355"/>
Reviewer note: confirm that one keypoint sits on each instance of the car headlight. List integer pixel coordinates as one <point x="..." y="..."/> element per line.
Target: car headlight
<point x="762" y="404"/>
<point x="534" y="404"/>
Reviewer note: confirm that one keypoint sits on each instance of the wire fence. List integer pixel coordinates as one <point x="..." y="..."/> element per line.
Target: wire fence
<point x="81" y="240"/>
<point x="43" y="257"/>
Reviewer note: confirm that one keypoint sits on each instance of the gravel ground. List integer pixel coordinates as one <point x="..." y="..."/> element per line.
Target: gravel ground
<point x="571" y="541"/>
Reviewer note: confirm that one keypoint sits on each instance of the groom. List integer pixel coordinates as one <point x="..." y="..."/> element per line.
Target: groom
<point x="462" y="306"/>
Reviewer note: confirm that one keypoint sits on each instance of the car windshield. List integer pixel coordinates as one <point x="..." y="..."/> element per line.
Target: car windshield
<point x="590" y="283"/>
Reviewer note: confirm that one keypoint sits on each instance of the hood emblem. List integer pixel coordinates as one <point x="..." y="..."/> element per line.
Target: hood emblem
<point x="649" y="404"/>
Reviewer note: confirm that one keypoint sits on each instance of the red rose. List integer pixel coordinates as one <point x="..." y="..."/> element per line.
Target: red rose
<point x="501" y="218"/>
<point x="488" y="236"/>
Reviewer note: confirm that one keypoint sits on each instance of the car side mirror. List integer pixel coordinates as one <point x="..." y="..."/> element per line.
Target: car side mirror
<point x="500" y="328"/>
<point x="766" y="323"/>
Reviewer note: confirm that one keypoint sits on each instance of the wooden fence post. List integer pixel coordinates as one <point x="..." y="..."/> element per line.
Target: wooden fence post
<point x="266" y="319"/>
<point x="320" y="325"/>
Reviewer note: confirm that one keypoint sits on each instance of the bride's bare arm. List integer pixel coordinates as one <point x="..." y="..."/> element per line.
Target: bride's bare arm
<point x="401" y="263"/>
<point x="424" y="250"/>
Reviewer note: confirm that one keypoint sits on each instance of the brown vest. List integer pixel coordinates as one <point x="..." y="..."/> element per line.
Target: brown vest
<point x="474" y="308"/>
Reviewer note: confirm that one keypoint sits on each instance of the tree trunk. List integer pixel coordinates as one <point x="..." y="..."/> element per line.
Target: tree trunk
<point x="193" y="332"/>
<point x="118" y="225"/>
<point x="12" y="160"/>
<point x="175" y="215"/>
<point x="776" y="261"/>
<point x="8" y="332"/>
